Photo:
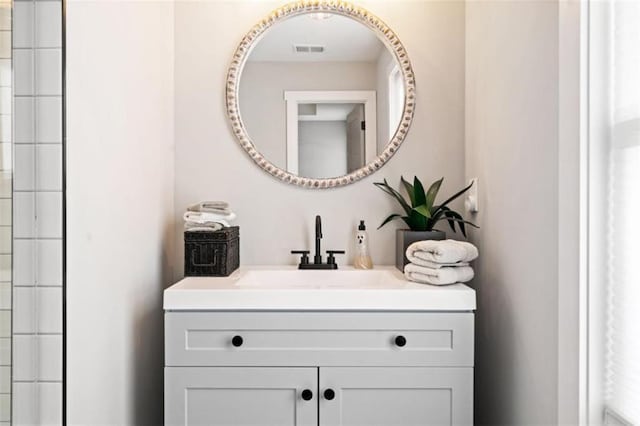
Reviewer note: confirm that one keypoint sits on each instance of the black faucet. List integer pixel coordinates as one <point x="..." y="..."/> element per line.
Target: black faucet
<point x="317" y="258"/>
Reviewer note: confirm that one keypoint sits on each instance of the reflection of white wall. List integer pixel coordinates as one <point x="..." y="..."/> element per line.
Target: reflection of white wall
<point x="384" y="66"/>
<point x="322" y="148"/>
<point x="262" y="89"/>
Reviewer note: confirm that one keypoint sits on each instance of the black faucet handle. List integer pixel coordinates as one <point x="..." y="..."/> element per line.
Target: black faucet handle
<point x="304" y="259"/>
<point x="331" y="259"/>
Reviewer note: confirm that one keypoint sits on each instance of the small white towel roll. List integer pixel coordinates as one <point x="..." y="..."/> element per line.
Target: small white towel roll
<point x="440" y="276"/>
<point x="218" y="207"/>
<point x="448" y="252"/>
<point x="201" y="217"/>
<point x="207" y="226"/>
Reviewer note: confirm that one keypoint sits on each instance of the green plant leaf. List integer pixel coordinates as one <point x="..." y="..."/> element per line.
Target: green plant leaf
<point x="410" y="191"/>
<point x="455" y="217"/>
<point x="389" y="219"/>
<point x="389" y="190"/>
<point x="420" y="196"/>
<point x="432" y="193"/>
<point x="423" y="210"/>
<point x="416" y="221"/>
<point x="442" y="212"/>
<point x="454" y="196"/>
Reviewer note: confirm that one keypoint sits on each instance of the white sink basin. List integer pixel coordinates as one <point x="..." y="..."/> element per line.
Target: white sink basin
<point x="312" y="279"/>
<point x="287" y="288"/>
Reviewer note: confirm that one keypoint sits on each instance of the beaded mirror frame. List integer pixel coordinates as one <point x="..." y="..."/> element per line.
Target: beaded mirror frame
<point x="389" y="38"/>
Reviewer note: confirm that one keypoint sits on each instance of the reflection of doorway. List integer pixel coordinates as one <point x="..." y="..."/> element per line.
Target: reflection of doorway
<point x="356" y="138"/>
<point x="359" y="146"/>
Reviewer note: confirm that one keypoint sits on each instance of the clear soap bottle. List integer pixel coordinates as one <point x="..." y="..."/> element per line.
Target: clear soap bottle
<point x="362" y="259"/>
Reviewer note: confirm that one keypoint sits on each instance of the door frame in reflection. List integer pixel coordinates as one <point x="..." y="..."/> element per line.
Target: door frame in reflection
<point x="294" y="98"/>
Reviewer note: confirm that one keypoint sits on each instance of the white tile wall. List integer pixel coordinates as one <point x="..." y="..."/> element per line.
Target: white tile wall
<point x="49" y="213"/>
<point x="5" y="239"/>
<point x="24" y="225"/>
<point x="49" y="264"/>
<point x="37" y="212"/>
<point x="24" y="403"/>
<point x="24" y="172"/>
<point x="23" y="75"/>
<point x="48" y="23"/>
<point x="5" y="72"/>
<point x="5" y="408"/>
<point x="5" y="128"/>
<point x="49" y="126"/>
<point x="23" y="31"/>
<point x="24" y="355"/>
<point x="5" y="295"/>
<point x="23" y="260"/>
<point x="5" y="351"/>
<point x="24" y="301"/>
<point x="49" y="164"/>
<point x="5" y="323"/>
<point x="48" y="66"/>
<point x="24" y="120"/>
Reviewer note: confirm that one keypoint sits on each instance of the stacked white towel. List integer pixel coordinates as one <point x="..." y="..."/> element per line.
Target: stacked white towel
<point x="440" y="262"/>
<point x="208" y="216"/>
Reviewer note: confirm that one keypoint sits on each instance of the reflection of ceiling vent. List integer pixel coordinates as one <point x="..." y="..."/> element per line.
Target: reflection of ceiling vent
<point x="307" y="48"/>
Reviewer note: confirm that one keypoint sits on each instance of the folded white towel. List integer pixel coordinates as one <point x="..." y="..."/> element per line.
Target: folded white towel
<point x="443" y="251"/>
<point x="201" y="217"/>
<point x="218" y="207"/>
<point x="207" y="226"/>
<point x="440" y="276"/>
<point x="434" y="265"/>
<point x="214" y="223"/>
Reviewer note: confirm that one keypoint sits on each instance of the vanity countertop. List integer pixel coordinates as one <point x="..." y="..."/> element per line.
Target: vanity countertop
<point x="286" y="288"/>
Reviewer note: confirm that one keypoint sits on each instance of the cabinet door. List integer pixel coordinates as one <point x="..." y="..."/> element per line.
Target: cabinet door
<point x="396" y="396"/>
<point x="240" y="396"/>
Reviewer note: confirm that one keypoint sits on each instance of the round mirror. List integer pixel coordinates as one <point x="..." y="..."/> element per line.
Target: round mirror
<point x="320" y="94"/>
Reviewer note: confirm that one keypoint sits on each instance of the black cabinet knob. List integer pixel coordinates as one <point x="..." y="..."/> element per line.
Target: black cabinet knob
<point x="400" y="341"/>
<point x="237" y="341"/>
<point x="329" y="394"/>
<point x="307" y="395"/>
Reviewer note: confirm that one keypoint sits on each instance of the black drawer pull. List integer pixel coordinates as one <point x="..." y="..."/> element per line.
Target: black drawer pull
<point x="329" y="394"/>
<point x="400" y="341"/>
<point x="307" y="395"/>
<point x="237" y="341"/>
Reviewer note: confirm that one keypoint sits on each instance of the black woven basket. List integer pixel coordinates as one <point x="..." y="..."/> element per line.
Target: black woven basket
<point x="211" y="253"/>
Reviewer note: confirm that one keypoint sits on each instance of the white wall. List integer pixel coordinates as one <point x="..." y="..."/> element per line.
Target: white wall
<point x="512" y="146"/>
<point x="120" y="204"/>
<point x="274" y="217"/>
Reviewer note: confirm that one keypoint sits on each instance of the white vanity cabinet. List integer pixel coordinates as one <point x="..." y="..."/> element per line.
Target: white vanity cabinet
<point x="327" y="367"/>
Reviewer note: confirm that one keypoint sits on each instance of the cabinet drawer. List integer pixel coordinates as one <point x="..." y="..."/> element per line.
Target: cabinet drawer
<point x="318" y="339"/>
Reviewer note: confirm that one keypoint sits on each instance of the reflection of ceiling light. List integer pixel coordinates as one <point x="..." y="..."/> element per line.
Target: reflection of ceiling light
<point x="320" y="16"/>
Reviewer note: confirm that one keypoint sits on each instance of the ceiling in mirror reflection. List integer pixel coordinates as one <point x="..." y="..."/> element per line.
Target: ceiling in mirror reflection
<point x="334" y="39"/>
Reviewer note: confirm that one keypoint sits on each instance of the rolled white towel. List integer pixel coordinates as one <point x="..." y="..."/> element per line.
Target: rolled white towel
<point x="201" y="217"/>
<point x="218" y="207"/>
<point x="448" y="252"/>
<point x="206" y="226"/>
<point x="440" y="276"/>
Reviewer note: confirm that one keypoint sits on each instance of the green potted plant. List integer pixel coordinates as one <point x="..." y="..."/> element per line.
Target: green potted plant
<point x="421" y="214"/>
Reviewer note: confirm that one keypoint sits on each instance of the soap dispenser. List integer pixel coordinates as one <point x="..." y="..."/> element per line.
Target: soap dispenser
<point x="362" y="259"/>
